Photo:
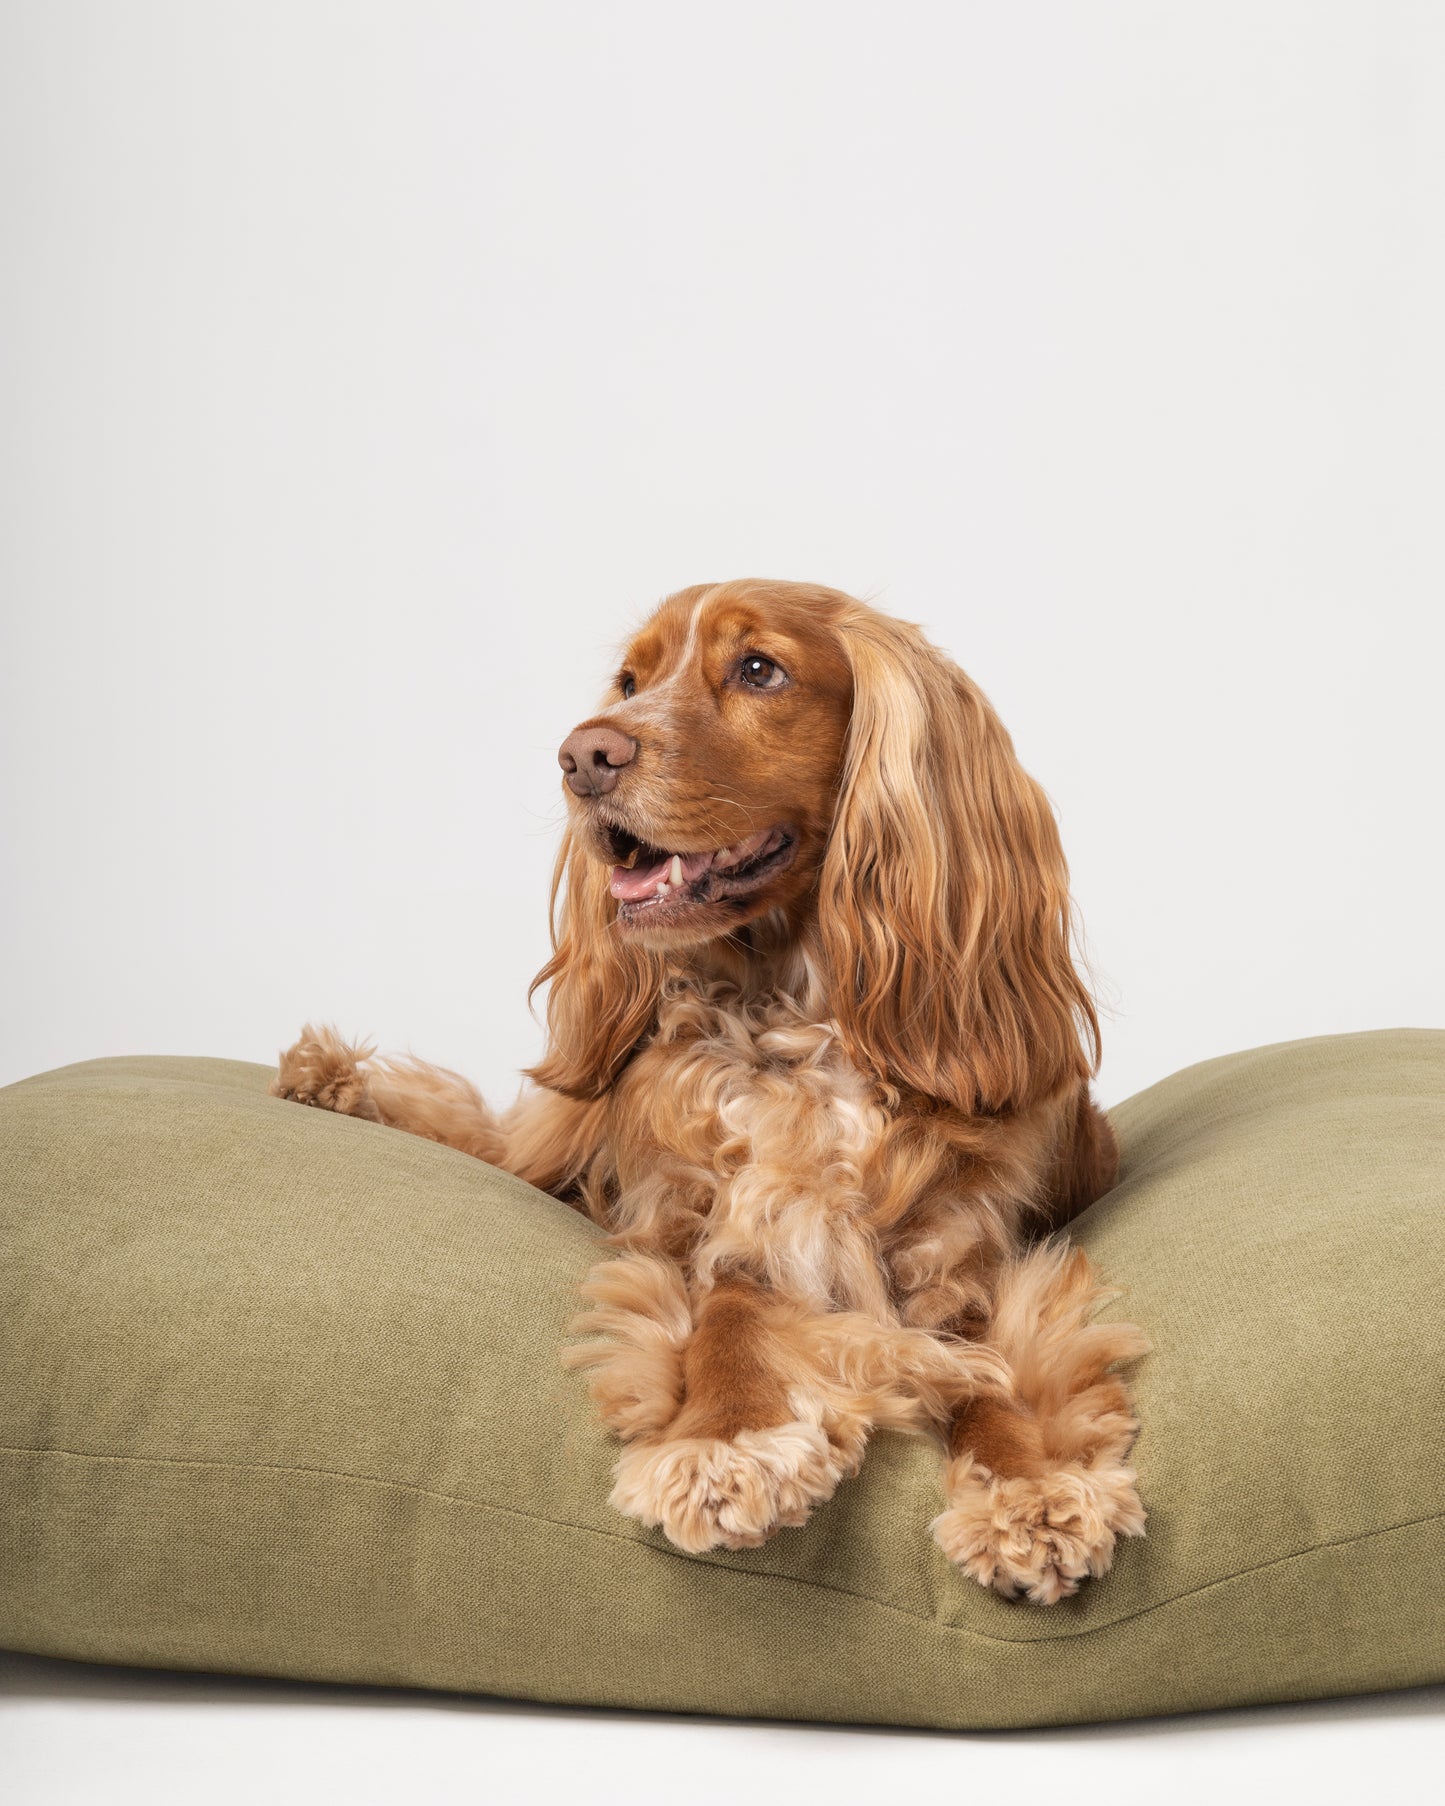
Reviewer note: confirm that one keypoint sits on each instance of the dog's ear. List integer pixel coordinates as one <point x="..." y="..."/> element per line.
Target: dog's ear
<point x="944" y="911"/>
<point x="603" y="992"/>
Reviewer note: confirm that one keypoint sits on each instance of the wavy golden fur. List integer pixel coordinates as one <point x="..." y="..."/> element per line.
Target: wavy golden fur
<point x="818" y="1060"/>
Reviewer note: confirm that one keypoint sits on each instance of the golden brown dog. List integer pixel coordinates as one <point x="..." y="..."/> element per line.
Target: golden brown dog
<point x="819" y="1062"/>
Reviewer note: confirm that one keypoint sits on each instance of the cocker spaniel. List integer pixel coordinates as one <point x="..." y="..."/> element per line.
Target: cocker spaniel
<point x="818" y="1062"/>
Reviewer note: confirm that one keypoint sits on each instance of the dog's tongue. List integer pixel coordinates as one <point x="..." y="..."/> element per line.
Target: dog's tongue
<point x="641" y="881"/>
<point x="632" y="886"/>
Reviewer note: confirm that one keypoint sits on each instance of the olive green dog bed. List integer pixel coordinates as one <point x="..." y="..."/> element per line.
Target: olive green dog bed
<point x="279" y="1393"/>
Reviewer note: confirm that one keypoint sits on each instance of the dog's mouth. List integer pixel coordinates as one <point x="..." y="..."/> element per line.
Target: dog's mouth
<point x="652" y="884"/>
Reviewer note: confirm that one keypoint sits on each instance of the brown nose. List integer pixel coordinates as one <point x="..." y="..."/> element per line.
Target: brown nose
<point x="592" y="757"/>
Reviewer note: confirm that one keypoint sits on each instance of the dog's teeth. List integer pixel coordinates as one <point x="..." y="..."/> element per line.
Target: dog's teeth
<point x="661" y="890"/>
<point x="674" y="871"/>
<point x="631" y="859"/>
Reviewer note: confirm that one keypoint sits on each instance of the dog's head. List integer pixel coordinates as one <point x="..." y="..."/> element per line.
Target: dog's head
<point x="781" y="751"/>
<point x="706" y="782"/>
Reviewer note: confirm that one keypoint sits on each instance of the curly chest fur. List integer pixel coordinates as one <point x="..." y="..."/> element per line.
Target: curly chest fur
<point x="744" y="1140"/>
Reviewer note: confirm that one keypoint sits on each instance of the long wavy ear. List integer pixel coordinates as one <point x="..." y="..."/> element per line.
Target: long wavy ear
<point x="944" y="910"/>
<point x="603" y="992"/>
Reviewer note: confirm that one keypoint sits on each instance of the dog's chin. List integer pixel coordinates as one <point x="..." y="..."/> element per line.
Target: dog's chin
<point x="669" y="896"/>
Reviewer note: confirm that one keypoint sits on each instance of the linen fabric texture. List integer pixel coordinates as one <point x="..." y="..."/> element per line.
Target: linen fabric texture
<point x="280" y="1394"/>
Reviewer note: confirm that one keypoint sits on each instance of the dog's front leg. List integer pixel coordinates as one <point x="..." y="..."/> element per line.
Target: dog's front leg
<point x="326" y="1072"/>
<point x="1039" y="1486"/>
<point x="733" y="1427"/>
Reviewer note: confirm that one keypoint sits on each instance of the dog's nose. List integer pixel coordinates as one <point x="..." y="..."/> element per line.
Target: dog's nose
<point x="592" y="757"/>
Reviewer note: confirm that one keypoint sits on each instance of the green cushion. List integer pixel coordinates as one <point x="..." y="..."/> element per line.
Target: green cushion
<point x="280" y="1393"/>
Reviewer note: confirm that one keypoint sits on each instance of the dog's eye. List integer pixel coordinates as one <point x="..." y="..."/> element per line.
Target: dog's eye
<point x="627" y="683"/>
<point x="761" y="673"/>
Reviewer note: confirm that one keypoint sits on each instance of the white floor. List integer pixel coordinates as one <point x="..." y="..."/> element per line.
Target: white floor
<point x="75" y="1735"/>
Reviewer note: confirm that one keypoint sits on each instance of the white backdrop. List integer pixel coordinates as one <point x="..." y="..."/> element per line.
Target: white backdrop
<point x="368" y="369"/>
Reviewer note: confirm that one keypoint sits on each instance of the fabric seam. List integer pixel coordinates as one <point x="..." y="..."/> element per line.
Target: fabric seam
<point x="821" y="1586"/>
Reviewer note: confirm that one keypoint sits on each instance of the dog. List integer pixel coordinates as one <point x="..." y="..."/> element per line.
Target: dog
<point x="818" y="1061"/>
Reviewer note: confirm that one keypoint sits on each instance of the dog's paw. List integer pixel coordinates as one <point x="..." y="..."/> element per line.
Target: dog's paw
<point x="1038" y="1536"/>
<point x="703" y="1493"/>
<point x="321" y="1070"/>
